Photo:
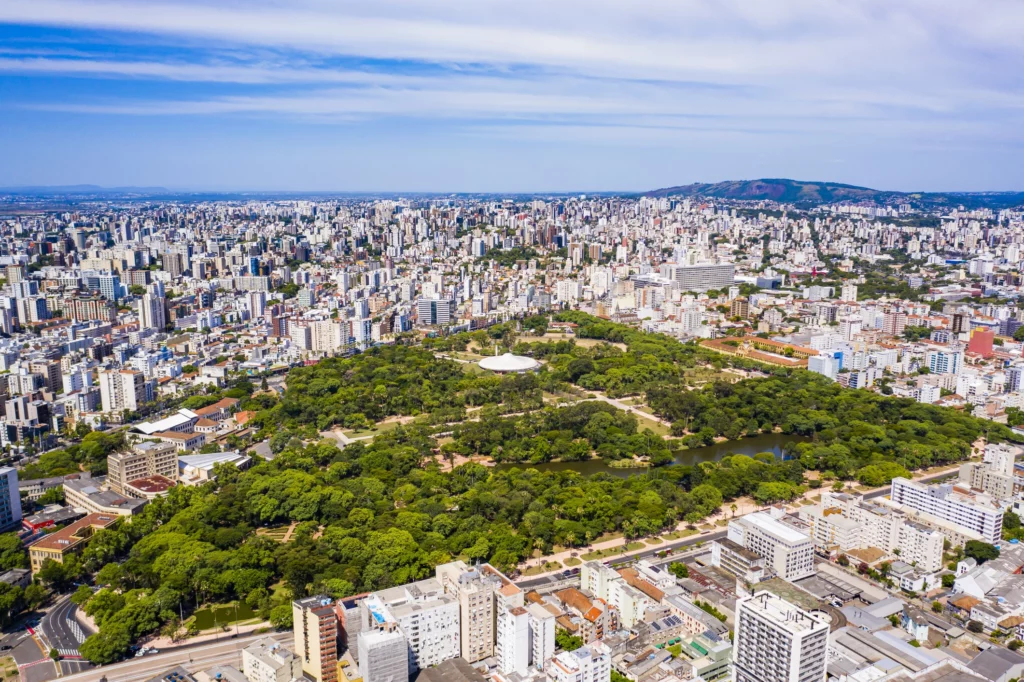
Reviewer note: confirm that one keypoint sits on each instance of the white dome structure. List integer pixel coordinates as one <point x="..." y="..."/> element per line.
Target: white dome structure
<point x="508" y="363"/>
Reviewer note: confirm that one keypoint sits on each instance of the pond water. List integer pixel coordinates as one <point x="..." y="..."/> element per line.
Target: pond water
<point x="767" y="442"/>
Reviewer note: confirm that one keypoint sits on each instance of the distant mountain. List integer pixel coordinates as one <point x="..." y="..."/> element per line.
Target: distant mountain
<point x="804" y="193"/>
<point x="50" y="190"/>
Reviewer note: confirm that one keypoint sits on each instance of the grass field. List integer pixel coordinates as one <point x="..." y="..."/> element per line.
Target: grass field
<point x="382" y="427"/>
<point x="223" y="615"/>
<point x="547" y="567"/>
<point x="572" y="561"/>
<point x="657" y="427"/>
<point x="678" y="534"/>
<point x="653" y="541"/>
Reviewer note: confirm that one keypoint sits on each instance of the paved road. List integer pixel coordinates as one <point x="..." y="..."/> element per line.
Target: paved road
<point x="533" y="583"/>
<point x="194" y="659"/>
<point x="62" y="630"/>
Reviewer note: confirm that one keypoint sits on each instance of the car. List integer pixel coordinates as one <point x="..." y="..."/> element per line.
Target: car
<point x="154" y="651"/>
<point x="5" y="647"/>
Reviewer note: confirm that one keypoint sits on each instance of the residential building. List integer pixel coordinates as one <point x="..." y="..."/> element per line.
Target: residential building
<point x="122" y="390"/>
<point x="776" y="641"/>
<point x="10" y="499"/>
<point x="315" y="625"/>
<point x="591" y="663"/>
<point x="424" y="613"/>
<point x="701" y="277"/>
<point x="513" y="642"/>
<point x="786" y="551"/>
<point x="956" y="512"/>
<point x="266" y="660"/>
<point x="383" y="656"/>
<point x="483" y="594"/>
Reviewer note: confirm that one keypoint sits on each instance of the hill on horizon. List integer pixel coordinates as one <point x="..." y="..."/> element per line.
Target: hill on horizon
<point x="813" y="193"/>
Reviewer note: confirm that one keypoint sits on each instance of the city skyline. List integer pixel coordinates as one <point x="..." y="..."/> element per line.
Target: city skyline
<point x="451" y="96"/>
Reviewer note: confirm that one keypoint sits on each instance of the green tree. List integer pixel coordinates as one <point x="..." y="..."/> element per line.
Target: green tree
<point x="679" y="569"/>
<point x="980" y="551"/>
<point x="566" y="641"/>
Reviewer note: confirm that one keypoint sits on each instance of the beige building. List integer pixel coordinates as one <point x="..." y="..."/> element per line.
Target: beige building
<point x="69" y="540"/>
<point x="183" y="442"/>
<point x="144" y="460"/>
<point x="265" y="660"/>
<point x="484" y="595"/>
<point x="122" y="390"/>
<point x="315" y="625"/>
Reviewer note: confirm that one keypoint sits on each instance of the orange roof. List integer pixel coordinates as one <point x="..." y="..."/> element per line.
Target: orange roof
<point x="965" y="602"/>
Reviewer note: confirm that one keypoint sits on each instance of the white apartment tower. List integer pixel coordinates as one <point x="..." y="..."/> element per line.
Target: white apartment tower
<point x="484" y="595"/>
<point x="776" y="641"/>
<point x="513" y="645"/>
<point x="785" y="550"/>
<point x="956" y="513"/>
<point x="542" y="635"/>
<point x="122" y="390"/>
<point x="383" y="656"/>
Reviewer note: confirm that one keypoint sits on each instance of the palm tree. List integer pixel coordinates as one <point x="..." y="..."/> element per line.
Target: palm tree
<point x="734" y="508"/>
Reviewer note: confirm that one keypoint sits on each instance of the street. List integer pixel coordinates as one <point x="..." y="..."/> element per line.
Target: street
<point x="201" y="657"/>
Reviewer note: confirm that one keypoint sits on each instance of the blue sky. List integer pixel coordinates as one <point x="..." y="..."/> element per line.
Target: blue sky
<point x="531" y="95"/>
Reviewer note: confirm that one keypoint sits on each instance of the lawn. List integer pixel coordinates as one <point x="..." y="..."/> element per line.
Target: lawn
<point x="602" y="553"/>
<point x="572" y="561"/>
<point x="678" y="534"/>
<point x="222" y="615"/>
<point x="634" y="546"/>
<point x="382" y="427"/>
<point x="653" y="541"/>
<point x="546" y="568"/>
<point x="657" y="427"/>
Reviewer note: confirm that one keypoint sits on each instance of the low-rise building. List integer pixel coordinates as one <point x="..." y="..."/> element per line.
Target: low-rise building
<point x="72" y="539"/>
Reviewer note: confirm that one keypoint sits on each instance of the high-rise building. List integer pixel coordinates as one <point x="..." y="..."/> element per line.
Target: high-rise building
<point x="484" y="594"/>
<point x="702" y="277"/>
<point x="894" y="323"/>
<point x="10" y="499"/>
<point x="152" y="312"/>
<point x="740" y="308"/>
<point x="383" y="656"/>
<point x="784" y="549"/>
<point x="956" y="513"/>
<point x="776" y="641"/>
<point x="315" y="625"/>
<point x="848" y="292"/>
<point x="266" y="660"/>
<point x="945" y="362"/>
<point x="122" y="389"/>
<point x="513" y="643"/>
<point x="431" y="312"/>
<point x="542" y="635"/>
<point x="425" y="615"/>
<point x="53" y="378"/>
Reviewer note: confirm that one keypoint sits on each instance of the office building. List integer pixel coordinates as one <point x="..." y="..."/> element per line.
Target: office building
<point x="700" y="278"/>
<point x="786" y="551"/>
<point x="776" y="641"/>
<point x="68" y="540"/>
<point x="144" y="460"/>
<point x="315" y="626"/>
<point x="10" y="499"/>
<point x="383" y="656"/>
<point x="431" y="312"/>
<point x="266" y="660"/>
<point x="954" y="511"/>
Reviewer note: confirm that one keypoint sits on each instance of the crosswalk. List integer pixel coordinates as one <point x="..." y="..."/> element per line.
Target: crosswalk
<point x="69" y="653"/>
<point x="76" y="630"/>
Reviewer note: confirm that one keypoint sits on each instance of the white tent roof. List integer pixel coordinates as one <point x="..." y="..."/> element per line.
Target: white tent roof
<point x="509" y="363"/>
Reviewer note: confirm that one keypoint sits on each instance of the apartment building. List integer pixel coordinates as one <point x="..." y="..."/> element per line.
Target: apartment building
<point x="315" y="625"/>
<point x="513" y="642"/>
<point x="383" y="656"/>
<point x="424" y="614"/>
<point x="994" y="475"/>
<point x="955" y="511"/>
<point x="845" y="522"/>
<point x="591" y="663"/>
<point x="776" y="641"/>
<point x="785" y="550"/>
<point x="142" y="461"/>
<point x="704" y="276"/>
<point x="542" y="635"/>
<point x="10" y="499"/>
<point x="121" y="390"/>
<point x="266" y="660"/>
<point x="484" y="594"/>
